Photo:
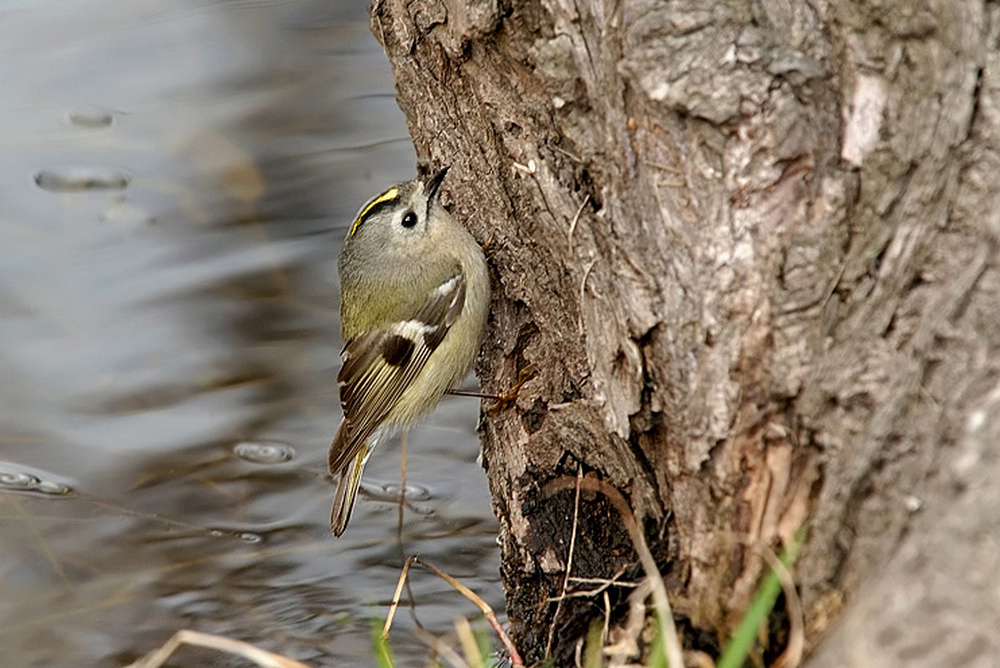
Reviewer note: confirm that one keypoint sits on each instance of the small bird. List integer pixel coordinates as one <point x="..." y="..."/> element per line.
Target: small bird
<point x="414" y="298"/>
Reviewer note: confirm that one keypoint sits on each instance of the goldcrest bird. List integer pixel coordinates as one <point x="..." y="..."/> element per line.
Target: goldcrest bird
<point x="414" y="298"/>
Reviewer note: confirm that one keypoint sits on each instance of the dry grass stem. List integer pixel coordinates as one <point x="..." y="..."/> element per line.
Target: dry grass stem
<point x="668" y="631"/>
<point x="606" y="627"/>
<point x="569" y="155"/>
<point x="484" y="607"/>
<point x="604" y="583"/>
<point x="625" y="638"/>
<point x="573" y="223"/>
<point x="443" y="649"/>
<point x="792" y="656"/>
<point x="402" y="486"/>
<point x="257" y="655"/>
<point x="583" y="290"/>
<point x="396" y="596"/>
<point x="467" y="639"/>
<point x="569" y="564"/>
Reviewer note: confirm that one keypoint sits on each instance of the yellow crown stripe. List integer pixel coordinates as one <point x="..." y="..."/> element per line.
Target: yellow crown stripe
<point x="387" y="196"/>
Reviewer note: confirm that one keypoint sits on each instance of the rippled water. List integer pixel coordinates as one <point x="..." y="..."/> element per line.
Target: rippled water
<point x="175" y="180"/>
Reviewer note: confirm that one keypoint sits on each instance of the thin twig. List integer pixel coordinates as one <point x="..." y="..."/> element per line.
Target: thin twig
<point x="604" y="583"/>
<point x="472" y="393"/>
<point x="402" y="487"/>
<point x="660" y="165"/>
<point x="403" y="501"/>
<point x="613" y="580"/>
<point x="569" y="563"/>
<point x="576" y="219"/>
<point x="583" y="290"/>
<point x="569" y="155"/>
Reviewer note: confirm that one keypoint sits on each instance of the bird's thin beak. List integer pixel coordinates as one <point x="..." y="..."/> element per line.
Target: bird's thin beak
<point x="434" y="184"/>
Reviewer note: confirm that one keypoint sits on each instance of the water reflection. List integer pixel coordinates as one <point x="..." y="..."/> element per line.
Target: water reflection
<point x="74" y="179"/>
<point x="14" y="478"/>
<point x="175" y="179"/>
<point x="264" y="452"/>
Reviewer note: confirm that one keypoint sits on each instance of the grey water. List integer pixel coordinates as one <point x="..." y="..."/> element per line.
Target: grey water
<point x="176" y="177"/>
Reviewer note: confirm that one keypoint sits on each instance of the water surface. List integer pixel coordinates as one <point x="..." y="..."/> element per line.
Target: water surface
<point x="175" y="181"/>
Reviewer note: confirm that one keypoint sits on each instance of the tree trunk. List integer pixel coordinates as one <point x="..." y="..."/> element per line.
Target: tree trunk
<point x="745" y="271"/>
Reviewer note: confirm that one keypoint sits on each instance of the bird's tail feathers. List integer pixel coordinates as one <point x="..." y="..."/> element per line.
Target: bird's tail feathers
<point x="347" y="493"/>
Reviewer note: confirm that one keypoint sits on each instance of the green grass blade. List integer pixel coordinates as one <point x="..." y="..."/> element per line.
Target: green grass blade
<point x="592" y="657"/>
<point x="383" y="653"/>
<point x="658" y="652"/>
<point x="738" y="649"/>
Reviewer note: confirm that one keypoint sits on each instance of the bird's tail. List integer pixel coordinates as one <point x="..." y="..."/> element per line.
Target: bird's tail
<point x="347" y="492"/>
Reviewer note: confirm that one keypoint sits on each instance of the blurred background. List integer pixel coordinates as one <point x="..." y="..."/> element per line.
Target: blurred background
<point x="176" y="177"/>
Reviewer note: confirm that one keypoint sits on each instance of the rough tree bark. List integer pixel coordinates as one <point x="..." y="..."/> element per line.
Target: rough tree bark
<point x="745" y="270"/>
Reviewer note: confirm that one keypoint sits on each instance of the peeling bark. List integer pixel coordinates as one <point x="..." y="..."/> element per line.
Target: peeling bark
<point x="745" y="270"/>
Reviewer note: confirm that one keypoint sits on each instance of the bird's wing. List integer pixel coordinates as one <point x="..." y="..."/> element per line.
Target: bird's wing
<point x="380" y="364"/>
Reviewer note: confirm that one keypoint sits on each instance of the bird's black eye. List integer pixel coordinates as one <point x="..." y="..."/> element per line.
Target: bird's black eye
<point x="409" y="220"/>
